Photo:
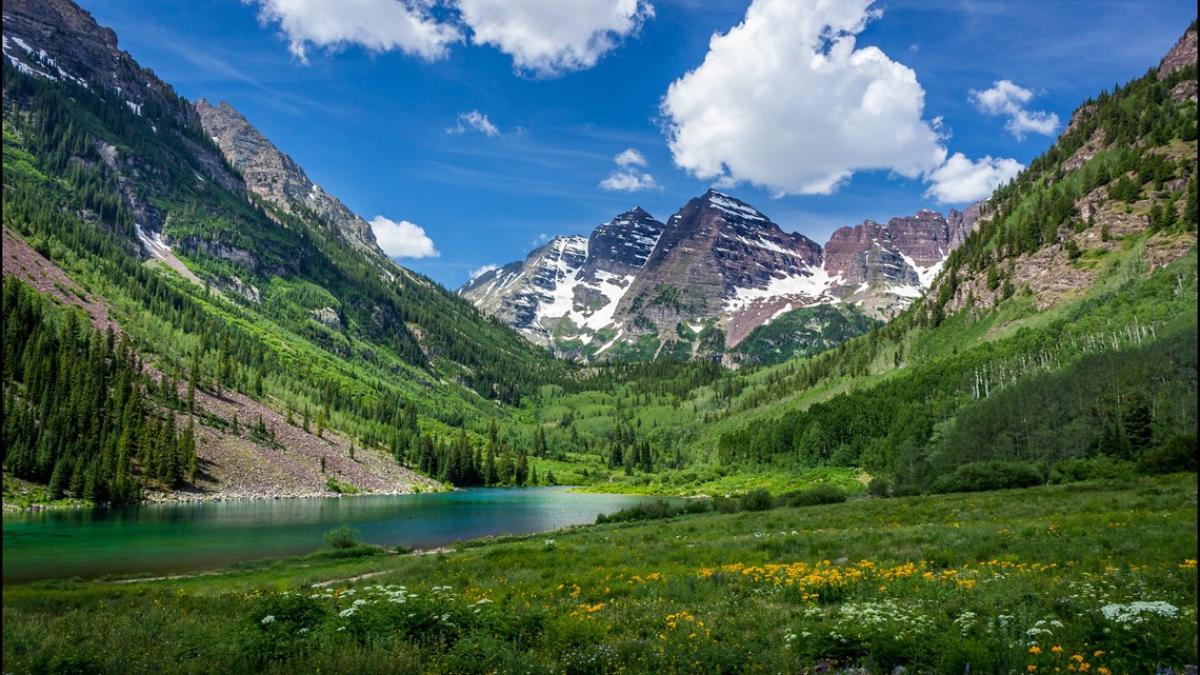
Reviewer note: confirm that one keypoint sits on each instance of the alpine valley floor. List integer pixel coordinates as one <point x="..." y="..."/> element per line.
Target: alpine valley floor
<point x="1093" y="577"/>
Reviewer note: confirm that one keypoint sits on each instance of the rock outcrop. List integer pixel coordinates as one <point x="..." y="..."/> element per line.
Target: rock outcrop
<point x="1182" y="55"/>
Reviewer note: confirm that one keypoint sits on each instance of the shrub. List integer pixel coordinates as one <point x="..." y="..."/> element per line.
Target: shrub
<point x="756" y="500"/>
<point x="1177" y="454"/>
<point x="907" y="490"/>
<point x="698" y="506"/>
<point x="991" y="475"/>
<point x="648" y="511"/>
<point x="820" y="494"/>
<point x="879" y="487"/>
<point x="343" y="537"/>
<point x="725" y="504"/>
<point x="1075" y="470"/>
<point x="356" y="551"/>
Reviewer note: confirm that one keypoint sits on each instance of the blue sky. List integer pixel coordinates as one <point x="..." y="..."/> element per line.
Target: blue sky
<point x="372" y="125"/>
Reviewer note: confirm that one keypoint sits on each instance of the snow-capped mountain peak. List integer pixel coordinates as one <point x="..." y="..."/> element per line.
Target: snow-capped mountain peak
<point x="717" y="263"/>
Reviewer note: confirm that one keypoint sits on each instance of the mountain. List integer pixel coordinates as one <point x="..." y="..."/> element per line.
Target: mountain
<point x="882" y="268"/>
<point x="1057" y="342"/>
<point x="255" y="310"/>
<point x="703" y="282"/>
<point x="277" y="178"/>
<point x="570" y="284"/>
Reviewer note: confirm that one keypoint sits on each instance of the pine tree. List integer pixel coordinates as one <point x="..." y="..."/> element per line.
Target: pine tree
<point x="522" y="470"/>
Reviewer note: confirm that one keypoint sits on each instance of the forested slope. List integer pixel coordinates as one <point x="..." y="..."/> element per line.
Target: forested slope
<point x="106" y="181"/>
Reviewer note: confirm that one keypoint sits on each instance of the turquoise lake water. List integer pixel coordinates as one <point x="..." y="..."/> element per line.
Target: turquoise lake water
<point x="176" y="538"/>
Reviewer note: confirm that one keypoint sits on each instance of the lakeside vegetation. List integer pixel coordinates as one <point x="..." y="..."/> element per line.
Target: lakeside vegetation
<point x="1098" y="575"/>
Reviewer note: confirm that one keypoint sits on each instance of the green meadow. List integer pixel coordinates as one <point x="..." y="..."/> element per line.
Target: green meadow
<point x="1093" y="577"/>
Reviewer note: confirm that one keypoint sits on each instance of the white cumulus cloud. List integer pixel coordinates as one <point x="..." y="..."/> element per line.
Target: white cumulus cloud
<point x="550" y="37"/>
<point x="378" y="25"/>
<point x="402" y="239"/>
<point x="626" y="177"/>
<point x="785" y="100"/>
<point x="628" y="181"/>
<point x="1009" y="99"/>
<point x="474" y="120"/>
<point x="961" y="180"/>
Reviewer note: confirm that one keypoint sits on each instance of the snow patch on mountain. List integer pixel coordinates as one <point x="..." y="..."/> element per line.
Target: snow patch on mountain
<point x="812" y="286"/>
<point x="733" y="207"/>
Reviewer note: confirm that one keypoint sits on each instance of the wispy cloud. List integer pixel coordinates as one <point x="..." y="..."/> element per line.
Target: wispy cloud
<point x="473" y="121"/>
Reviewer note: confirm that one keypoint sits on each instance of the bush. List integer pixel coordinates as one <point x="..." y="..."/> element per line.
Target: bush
<point x="649" y="511"/>
<point x="907" y="490"/>
<point x="992" y="475"/>
<point x="1177" y="454"/>
<point x="756" y="500"/>
<point x="356" y="551"/>
<point x="820" y="494"/>
<point x="343" y="537"/>
<point x="698" y="506"/>
<point x="879" y="487"/>
<point x="725" y="504"/>
<point x="1075" y="470"/>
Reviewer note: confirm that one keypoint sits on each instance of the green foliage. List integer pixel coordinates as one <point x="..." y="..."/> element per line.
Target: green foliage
<point x="756" y="500"/>
<point x="1177" y="453"/>
<point x="990" y="475"/>
<point x="342" y="537"/>
<point x="80" y="414"/>
<point x="819" y="494"/>
<point x="655" y="510"/>
<point x="804" y="332"/>
<point x="879" y="486"/>
<point x="1111" y="375"/>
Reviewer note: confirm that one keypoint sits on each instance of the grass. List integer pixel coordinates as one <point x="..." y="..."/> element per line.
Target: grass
<point x="996" y="580"/>
<point x="724" y="481"/>
<point x="20" y="495"/>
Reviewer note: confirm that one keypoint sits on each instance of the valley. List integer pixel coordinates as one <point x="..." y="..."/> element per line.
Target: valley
<point x="961" y="440"/>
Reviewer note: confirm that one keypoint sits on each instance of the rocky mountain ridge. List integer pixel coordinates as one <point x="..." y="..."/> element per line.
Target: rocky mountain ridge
<point x="274" y="176"/>
<point x="715" y="271"/>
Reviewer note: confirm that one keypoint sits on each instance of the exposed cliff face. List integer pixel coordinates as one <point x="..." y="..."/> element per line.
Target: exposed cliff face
<point x="883" y="268"/>
<point x="701" y="283"/>
<point x="276" y="177"/>
<point x="1182" y="55"/>
<point x="569" y="288"/>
